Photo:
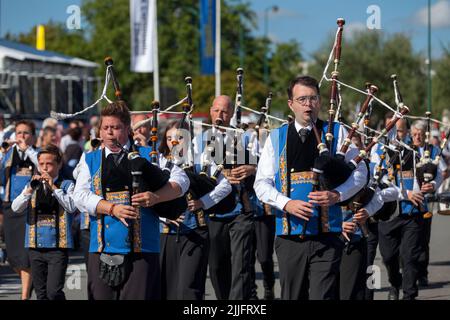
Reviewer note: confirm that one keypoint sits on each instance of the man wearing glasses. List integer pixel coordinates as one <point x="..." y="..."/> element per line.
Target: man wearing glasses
<point x="308" y="266"/>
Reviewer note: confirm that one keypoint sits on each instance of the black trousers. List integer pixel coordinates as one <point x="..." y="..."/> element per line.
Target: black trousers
<point x="309" y="268"/>
<point x="400" y="239"/>
<point x="84" y="243"/>
<point x="424" y="257"/>
<point x="231" y="242"/>
<point x="184" y="265"/>
<point x="372" y="244"/>
<point x="48" y="271"/>
<point x="352" y="276"/>
<point x="142" y="283"/>
<point x="263" y="242"/>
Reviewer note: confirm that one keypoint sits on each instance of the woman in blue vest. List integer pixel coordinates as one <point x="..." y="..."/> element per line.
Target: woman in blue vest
<point x="48" y="229"/>
<point x="16" y="169"/>
<point x="124" y="241"/>
<point x="184" y="242"/>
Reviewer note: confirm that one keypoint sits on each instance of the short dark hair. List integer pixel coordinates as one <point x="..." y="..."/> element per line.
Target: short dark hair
<point x="30" y="124"/>
<point x="118" y="109"/>
<point x="306" y="81"/>
<point x="75" y="133"/>
<point x="53" y="150"/>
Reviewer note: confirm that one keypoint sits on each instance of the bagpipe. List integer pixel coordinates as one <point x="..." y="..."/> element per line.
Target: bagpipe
<point x="442" y="198"/>
<point x="382" y="169"/>
<point x="261" y="124"/>
<point x="245" y="186"/>
<point x="201" y="183"/>
<point x="147" y="176"/>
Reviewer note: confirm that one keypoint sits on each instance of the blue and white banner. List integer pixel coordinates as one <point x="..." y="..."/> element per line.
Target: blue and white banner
<point x="207" y="36"/>
<point x="142" y="19"/>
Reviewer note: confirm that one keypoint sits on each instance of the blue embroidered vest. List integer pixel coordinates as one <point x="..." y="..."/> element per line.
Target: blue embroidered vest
<point x="406" y="207"/>
<point x="301" y="186"/>
<point x="108" y="234"/>
<point x="13" y="178"/>
<point x="49" y="230"/>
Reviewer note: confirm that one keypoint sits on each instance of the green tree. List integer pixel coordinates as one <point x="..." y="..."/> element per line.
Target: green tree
<point x="441" y="89"/>
<point x="284" y="66"/>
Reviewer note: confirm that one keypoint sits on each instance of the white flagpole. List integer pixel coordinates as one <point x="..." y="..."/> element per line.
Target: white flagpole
<point x="155" y="55"/>
<point x="218" y="57"/>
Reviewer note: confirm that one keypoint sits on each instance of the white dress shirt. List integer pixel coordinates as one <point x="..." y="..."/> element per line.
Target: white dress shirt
<point x="87" y="201"/>
<point x="267" y="168"/>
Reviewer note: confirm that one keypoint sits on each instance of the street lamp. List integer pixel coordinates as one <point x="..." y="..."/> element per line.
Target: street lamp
<point x="266" y="35"/>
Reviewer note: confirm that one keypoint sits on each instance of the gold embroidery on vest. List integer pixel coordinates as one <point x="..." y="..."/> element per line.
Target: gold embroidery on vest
<point x="284" y="188"/>
<point x="32" y="223"/>
<point x="62" y="227"/>
<point x="97" y="183"/>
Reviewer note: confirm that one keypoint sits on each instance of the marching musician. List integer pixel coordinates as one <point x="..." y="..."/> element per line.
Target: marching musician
<point x="309" y="266"/>
<point x="124" y="241"/>
<point x="353" y="268"/>
<point x="230" y="234"/>
<point x="400" y="237"/>
<point x="16" y="169"/>
<point x="372" y="223"/>
<point x="418" y="133"/>
<point x="49" y="206"/>
<point x="264" y="237"/>
<point x="184" y="242"/>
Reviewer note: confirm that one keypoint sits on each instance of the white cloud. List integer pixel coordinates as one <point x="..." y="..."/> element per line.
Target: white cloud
<point x="440" y="13"/>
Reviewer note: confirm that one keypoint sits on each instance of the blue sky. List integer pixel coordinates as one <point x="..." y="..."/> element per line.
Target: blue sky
<point x="309" y="22"/>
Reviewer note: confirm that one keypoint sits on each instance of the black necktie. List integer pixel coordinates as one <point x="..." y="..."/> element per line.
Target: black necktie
<point x="116" y="158"/>
<point x="303" y="133"/>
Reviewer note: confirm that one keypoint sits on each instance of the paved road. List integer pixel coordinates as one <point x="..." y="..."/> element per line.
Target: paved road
<point x="438" y="289"/>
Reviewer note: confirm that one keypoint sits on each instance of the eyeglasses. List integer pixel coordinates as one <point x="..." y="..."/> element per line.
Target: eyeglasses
<point x="303" y="100"/>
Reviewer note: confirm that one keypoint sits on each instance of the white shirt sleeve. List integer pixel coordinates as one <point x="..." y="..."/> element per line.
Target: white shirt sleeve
<point x="65" y="199"/>
<point x="222" y="189"/>
<point x="358" y="178"/>
<point x="20" y="203"/>
<point x="178" y="176"/>
<point x="32" y="155"/>
<point x="356" y="181"/>
<point x="265" y="179"/>
<point x="438" y="179"/>
<point x="375" y="203"/>
<point x="85" y="200"/>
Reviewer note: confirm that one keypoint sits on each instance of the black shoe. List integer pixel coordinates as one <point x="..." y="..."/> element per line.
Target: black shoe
<point x="423" y="281"/>
<point x="393" y="293"/>
<point x="268" y="294"/>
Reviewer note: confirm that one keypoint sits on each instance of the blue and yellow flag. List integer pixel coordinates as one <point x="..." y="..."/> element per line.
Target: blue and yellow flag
<point x="207" y="36"/>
